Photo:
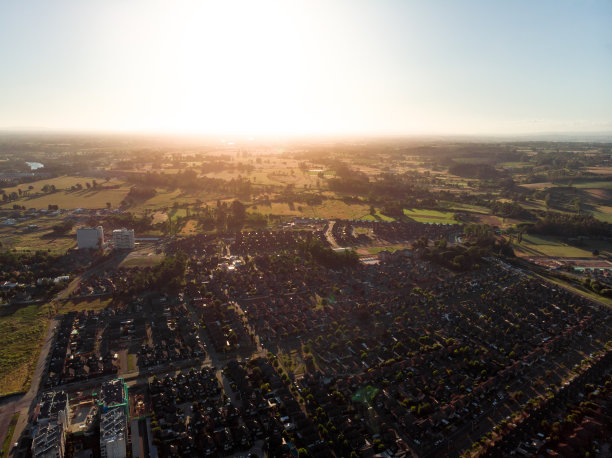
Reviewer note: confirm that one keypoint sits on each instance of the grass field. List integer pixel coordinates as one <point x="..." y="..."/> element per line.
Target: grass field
<point x="594" y="185"/>
<point x="93" y="303"/>
<point x="21" y="335"/>
<point x="377" y="217"/>
<point x="430" y="216"/>
<point x="17" y="237"/>
<point x="86" y="198"/>
<point x="456" y="206"/>
<point x="333" y="208"/>
<point x="141" y="259"/>
<point x="8" y="440"/>
<point x="603" y="213"/>
<point x="391" y="248"/>
<point x="534" y="245"/>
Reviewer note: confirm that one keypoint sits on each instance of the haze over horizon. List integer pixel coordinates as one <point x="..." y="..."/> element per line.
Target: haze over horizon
<point x="348" y="67"/>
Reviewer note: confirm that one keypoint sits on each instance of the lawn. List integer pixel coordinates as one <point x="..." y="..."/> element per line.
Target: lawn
<point x="429" y="216"/>
<point x="21" y="334"/>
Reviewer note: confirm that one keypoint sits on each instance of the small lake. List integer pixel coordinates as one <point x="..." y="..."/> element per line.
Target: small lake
<point x="35" y="165"/>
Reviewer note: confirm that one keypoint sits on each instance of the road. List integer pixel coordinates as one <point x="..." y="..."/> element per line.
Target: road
<point x="329" y="235"/>
<point x="23" y="403"/>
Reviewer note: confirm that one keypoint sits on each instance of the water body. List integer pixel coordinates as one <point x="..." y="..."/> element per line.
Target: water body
<point x="35" y="165"/>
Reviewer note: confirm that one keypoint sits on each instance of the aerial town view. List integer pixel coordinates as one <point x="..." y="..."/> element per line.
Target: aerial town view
<point x="305" y="229"/>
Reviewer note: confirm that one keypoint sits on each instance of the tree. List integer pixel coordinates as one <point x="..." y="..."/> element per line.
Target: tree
<point x="63" y="228"/>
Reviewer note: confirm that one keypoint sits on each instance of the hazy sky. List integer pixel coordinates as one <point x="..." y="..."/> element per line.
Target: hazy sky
<point x="300" y="67"/>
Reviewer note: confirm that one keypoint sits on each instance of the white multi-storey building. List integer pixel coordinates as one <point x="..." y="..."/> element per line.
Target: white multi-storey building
<point x="90" y="237"/>
<point x="123" y="239"/>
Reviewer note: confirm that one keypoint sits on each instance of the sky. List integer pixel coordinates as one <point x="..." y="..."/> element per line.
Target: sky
<point x="307" y="67"/>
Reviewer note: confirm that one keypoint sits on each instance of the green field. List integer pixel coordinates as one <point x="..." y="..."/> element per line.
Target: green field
<point x="594" y="185"/>
<point x="141" y="259"/>
<point x="536" y="245"/>
<point x="430" y="216"/>
<point x="21" y="335"/>
<point x="391" y="248"/>
<point x="94" y="303"/>
<point x="603" y="213"/>
<point x="457" y="206"/>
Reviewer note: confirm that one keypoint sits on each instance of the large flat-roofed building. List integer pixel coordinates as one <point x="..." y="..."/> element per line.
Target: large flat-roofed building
<point x="113" y="433"/>
<point x="113" y="393"/>
<point x="123" y="239"/>
<point x="49" y="442"/>
<point x="53" y="408"/>
<point x="90" y="238"/>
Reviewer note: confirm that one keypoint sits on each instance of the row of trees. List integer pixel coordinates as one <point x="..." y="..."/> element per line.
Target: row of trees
<point x="562" y="224"/>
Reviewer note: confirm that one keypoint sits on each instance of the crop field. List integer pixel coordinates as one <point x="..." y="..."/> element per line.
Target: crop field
<point x="21" y="334"/>
<point x="429" y="216"/>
